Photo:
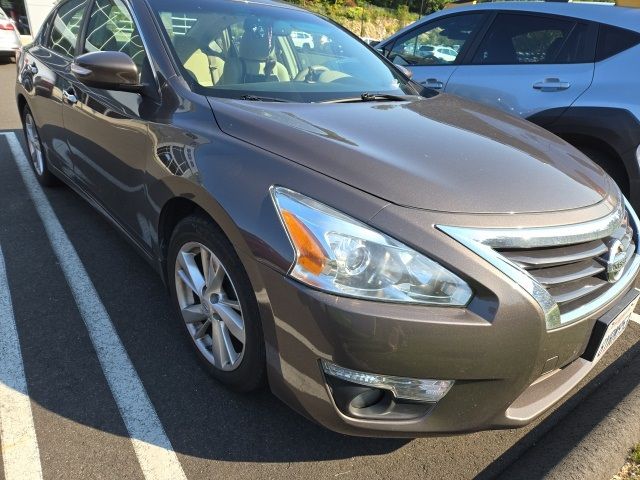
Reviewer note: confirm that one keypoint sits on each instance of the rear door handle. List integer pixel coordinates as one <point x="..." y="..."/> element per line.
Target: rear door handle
<point x="551" y="85"/>
<point x="69" y="96"/>
<point x="433" y="83"/>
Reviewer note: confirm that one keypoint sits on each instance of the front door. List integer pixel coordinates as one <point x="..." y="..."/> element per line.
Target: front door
<point x="108" y="135"/>
<point x="433" y="51"/>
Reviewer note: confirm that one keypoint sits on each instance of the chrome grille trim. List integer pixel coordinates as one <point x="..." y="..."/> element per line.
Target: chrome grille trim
<point x="484" y="241"/>
<point x="550" y="236"/>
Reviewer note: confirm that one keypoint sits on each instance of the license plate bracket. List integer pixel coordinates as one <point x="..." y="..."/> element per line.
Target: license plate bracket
<point x="610" y="326"/>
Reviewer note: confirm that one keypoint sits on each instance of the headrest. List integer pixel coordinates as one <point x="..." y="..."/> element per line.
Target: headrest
<point x="257" y="40"/>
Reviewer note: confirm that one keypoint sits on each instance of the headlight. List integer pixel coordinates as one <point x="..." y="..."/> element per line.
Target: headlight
<point x="338" y="254"/>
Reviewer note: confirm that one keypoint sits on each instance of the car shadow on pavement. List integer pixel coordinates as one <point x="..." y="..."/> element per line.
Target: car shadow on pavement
<point x="574" y="427"/>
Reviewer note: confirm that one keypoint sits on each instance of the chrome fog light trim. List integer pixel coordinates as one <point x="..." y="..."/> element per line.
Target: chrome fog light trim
<point x="415" y="389"/>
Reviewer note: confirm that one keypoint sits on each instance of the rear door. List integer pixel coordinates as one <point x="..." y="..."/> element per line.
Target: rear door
<point x="46" y="76"/>
<point x="529" y="64"/>
<point x="433" y="51"/>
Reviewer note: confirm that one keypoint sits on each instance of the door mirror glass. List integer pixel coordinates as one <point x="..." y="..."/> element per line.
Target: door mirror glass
<point x="405" y="71"/>
<point x="108" y="71"/>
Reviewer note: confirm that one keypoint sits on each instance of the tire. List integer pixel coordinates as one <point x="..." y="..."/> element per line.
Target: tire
<point x="248" y="371"/>
<point x="613" y="166"/>
<point x="36" y="151"/>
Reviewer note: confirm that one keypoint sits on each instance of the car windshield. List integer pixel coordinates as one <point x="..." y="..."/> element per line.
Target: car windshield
<point x="270" y="52"/>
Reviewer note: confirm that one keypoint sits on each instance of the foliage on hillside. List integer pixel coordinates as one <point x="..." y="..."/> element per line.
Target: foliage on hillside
<point x="377" y="20"/>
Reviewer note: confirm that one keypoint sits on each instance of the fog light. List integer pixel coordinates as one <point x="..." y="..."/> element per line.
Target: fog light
<point x="415" y="389"/>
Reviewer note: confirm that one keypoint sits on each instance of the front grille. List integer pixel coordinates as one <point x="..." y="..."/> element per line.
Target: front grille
<point x="575" y="274"/>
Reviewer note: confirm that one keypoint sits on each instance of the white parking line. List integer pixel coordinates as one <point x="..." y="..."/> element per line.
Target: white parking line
<point x="20" y="454"/>
<point x="152" y="447"/>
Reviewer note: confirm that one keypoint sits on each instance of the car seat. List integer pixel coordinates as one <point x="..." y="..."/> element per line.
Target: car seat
<point x="205" y="68"/>
<point x="256" y="60"/>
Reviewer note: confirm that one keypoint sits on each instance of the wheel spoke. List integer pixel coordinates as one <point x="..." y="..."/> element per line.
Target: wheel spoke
<point x="214" y="285"/>
<point x="202" y="331"/>
<point x="224" y="300"/>
<point x="228" y="344"/>
<point x="190" y="273"/>
<point x="219" y="347"/>
<point x="205" y="260"/>
<point x="193" y="314"/>
<point x="232" y="320"/>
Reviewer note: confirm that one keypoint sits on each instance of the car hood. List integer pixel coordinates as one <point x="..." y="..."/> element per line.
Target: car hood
<point x="442" y="153"/>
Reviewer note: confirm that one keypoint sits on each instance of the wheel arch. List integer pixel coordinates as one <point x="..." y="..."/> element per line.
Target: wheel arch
<point x="618" y="169"/>
<point x="615" y="132"/>
<point x="22" y="102"/>
<point x="179" y="207"/>
<point x="190" y="199"/>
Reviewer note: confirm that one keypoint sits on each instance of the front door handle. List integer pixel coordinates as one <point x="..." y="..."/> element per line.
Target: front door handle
<point x="32" y="68"/>
<point x="433" y="83"/>
<point x="551" y="85"/>
<point x="69" y="96"/>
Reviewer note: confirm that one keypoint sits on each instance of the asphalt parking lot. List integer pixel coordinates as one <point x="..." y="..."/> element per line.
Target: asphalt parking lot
<point x="79" y="418"/>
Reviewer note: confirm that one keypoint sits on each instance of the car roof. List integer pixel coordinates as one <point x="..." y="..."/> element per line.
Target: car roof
<point x="607" y="13"/>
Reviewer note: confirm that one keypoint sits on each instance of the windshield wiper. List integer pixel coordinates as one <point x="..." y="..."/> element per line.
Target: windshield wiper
<point x="256" y="98"/>
<point x="371" y="97"/>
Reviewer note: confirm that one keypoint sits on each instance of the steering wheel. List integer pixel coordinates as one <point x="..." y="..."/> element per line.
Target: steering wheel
<point x="311" y="74"/>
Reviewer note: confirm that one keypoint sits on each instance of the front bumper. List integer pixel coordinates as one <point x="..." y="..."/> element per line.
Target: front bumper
<point x="504" y="377"/>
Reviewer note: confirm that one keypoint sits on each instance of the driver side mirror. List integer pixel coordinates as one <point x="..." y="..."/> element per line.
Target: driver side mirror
<point x="405" y="71"/>
<point x="108" y="71"/>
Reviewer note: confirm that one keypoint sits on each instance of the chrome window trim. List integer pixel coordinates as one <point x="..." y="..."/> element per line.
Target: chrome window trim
<point x="483" y="241"/>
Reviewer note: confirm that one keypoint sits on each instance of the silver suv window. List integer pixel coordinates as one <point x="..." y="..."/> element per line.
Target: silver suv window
<point x="523" y="38"/>
<point x="614" y="40"/>
<point x="437" y="43"/>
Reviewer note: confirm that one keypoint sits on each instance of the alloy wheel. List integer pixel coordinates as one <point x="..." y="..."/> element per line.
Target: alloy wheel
<point x="210" y="307"/>
<point x="33" y="141"/>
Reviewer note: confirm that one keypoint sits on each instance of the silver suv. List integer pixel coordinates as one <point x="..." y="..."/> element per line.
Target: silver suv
<point x="572" y="68"/>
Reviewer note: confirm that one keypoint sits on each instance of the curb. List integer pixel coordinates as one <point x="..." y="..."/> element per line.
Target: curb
<point x="584" y="446"/>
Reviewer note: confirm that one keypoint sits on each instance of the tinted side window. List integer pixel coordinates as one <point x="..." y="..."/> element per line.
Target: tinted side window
<point x="516" y="39"/>
<point x="438" y="42"/>
<point x="112" y="29"/>
<point x="41" y="37"/>
<point x="65" y="27"/>
<point x="613" y="40"/>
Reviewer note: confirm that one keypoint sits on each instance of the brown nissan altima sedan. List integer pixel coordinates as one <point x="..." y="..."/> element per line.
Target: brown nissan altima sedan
<point x="391" y="260"/>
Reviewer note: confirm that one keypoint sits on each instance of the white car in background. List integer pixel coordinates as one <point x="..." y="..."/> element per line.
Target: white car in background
<point x="447" y="54"/>
<point x="9" y="38"/>
<point x="302" y="40"/>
